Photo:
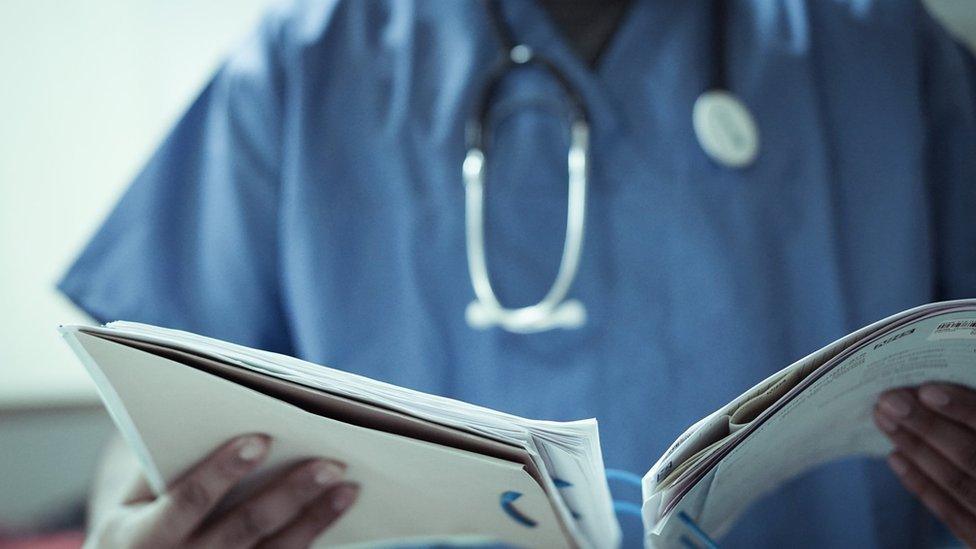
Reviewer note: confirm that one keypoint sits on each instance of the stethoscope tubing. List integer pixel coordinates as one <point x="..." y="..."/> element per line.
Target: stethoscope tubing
<point x="552" y="310"/>
<point x="724" y="126"/>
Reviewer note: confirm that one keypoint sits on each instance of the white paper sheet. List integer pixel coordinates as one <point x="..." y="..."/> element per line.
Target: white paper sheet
<point x="827" y="420"/>
<point x="410" y="489"/>
<point x="568" y="451"/>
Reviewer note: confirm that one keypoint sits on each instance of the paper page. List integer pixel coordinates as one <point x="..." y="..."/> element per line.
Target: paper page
<point x="742" y="411"/>
<point x="830" y="419"/>
<point x="167" y="401"/>
<point x="338" y="407"/>
<point x="569" y="451"/>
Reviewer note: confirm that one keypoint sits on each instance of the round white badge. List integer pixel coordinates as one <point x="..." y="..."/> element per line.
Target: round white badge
<point x="725" y="129"/>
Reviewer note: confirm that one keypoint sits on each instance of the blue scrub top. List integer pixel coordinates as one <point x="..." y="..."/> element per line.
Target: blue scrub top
<point x="310" y="202"/>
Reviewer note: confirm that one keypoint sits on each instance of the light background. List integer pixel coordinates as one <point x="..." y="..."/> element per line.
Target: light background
<point x="88" y="88"/>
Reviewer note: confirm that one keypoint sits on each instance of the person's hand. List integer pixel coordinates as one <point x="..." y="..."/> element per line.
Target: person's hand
<point x="289" y="511"/>
<point x="933" y="429"/>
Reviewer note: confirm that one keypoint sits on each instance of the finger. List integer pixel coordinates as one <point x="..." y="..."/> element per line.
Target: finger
<point x="191" y="498"/>
<point x="955" y="402"/>
<point x="314" y="519"/>
<point x="943" y="506"/>
<point x="278" y="503"/>
<point x="954" y="441"/>
<point x="954" y="481"/>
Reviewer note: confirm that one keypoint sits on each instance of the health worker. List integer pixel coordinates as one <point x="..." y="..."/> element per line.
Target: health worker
<point x="628" y="210"/>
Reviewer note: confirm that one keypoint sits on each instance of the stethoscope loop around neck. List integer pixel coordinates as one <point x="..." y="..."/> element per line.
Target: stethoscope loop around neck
<point x="477" y="129"/>
<point x="723" y="125"/>
<point x="553" y="310"/>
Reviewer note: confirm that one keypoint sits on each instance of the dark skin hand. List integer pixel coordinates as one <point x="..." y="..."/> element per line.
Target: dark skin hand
<point x="289" y="511"/>
<point x="933" y="429"/>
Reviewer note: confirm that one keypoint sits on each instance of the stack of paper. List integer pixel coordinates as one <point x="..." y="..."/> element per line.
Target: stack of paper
<point x="817" y="410"/>
<point x="435" y="469"/>
<point x="431" y="468"/>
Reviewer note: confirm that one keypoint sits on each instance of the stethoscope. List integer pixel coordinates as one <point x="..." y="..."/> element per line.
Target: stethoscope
<point x="723" y="125"/>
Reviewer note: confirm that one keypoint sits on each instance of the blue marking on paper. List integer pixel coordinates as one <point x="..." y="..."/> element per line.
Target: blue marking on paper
<point x="560" y="484"/>
<point x="507" y="500"/>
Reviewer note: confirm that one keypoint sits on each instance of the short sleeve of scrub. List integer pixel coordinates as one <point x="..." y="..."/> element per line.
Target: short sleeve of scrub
<point x="193" y="242"/>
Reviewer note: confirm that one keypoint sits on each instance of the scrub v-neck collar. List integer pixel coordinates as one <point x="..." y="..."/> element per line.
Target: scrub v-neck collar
<point x="532" y="26"/>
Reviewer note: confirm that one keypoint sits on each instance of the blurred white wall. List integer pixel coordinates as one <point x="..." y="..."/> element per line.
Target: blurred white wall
<point x="87" y="90"/>
<point x="959" y="16"/>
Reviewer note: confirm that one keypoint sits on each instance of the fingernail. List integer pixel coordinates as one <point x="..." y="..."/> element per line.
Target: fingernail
<point x="897" y="464"/>
<point x="933" y="396"/>
<point x="327" y="472"/>
<point x="251" y="448"/>
<point x="344" y="496"/>
<point x="886" y="424"/>
<point x="896" y="404"/>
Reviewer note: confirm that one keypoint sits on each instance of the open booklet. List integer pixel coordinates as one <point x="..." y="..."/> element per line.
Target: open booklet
<point x="435" y="469"/>
<point x="431" y="469"/>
